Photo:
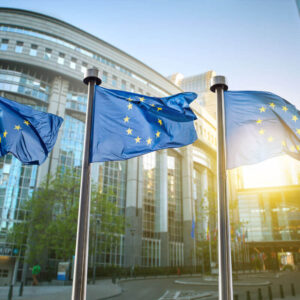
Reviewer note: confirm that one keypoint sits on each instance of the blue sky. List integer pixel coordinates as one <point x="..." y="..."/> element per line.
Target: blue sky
<point x="254" y="43"/>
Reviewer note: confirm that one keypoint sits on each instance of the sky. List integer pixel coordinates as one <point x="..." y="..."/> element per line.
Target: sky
<point x="254" y="43"/>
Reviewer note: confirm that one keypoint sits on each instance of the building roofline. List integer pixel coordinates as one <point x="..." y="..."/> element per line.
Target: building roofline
<point x="198" y="75"/>
<point x="72" y="27"/>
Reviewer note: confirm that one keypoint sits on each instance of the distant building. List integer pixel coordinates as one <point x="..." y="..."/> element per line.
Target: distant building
<point x="298" y="5"/>
<point x="199" y="84"/>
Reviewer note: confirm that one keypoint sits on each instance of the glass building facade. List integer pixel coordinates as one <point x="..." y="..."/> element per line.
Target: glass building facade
<point x="44" y="70"/>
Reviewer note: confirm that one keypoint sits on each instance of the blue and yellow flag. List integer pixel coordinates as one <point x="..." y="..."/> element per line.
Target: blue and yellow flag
<point x="126" y="124"/>
<point x="259" y="125"/>
<point x="27" y="133"/>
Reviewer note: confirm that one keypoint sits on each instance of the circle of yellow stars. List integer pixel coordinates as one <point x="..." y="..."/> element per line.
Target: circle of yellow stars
<point x="270" y="138"/>
<point x="16" y="127"/>
<point x="127" y="119"/>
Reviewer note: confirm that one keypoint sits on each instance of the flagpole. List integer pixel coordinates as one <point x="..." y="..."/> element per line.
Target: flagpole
<point x="82" y="240"/>
<point x="218" y="85"/>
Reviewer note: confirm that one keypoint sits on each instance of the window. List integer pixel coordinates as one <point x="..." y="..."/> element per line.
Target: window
<point x="83" y="67"/>
<point x="104" y="77"/>
<point x="61" y="58"/>
<point x="114" y="81"/>
<point x="73" y="63"/>
<point x="140" y="91"/>
<point x="19" y="47"/>
<point x="132" y="88"/>
<point x="47" y="54"/>
<point x="33" y="50"/>
<point x="123" y="85"/>
<point x="4" y="44"/>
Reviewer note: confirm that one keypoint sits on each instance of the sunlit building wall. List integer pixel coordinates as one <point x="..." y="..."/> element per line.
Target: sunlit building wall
<point x="42" y="64"/>
<point x="267" y="216"/>
<point x="255" y="216"/>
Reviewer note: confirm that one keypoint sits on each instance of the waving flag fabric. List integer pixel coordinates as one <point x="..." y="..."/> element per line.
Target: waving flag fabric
<point x="259" y="125"/>
<point x="126" y="124"/>
<point x="27" y="133"/>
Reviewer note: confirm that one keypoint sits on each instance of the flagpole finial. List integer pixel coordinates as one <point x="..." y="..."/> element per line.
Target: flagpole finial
<point x="218" y="81"/>
<point x="92" y="74"/>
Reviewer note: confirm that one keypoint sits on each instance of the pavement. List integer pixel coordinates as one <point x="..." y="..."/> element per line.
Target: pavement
<point x="102" y="289"/>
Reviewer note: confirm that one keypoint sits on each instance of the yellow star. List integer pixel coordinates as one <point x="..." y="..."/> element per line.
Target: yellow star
<point x="283" y="143"/>
<point x="262" y="109"/>
<point x="298" y="131"/>
<point x="142" y="99"/>
<point x="129" y="99"/>
<point x="157" y="133"/>
<point x="160" y="122"/>
<point x="292" y="148"/>
<point x="153" y="105"/>
<point x="126" y="119"/>
<point x="17" y="127"/>
<point x="259" y="121"/>
<point x="129" y="131"/>
<point x="149" y="141"/>
<point x="298" y="147"/>
<point x="138" y="139"/>
<point x="26" y="123"/>
<point x="270" y="139"/>
<point x="261" y="131"/>
<point x="5" y="133"/>
<point x="0" y="139"/>
<point x="295" y="118"/>
<point x="284" y="108"/>
<point x="129" y="106"/>
<point x="272" y="105"/>
<point x="159" y="108"/>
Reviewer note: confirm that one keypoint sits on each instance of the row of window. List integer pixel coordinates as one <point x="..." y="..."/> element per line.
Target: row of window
<point x="18" y="82"/>
<point x="77" y="48"/>
<point x="47" y="54"/>
<point x="73" y="64"/>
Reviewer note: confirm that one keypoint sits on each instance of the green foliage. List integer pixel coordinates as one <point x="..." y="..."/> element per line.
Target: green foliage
<point x="52" y="222"/>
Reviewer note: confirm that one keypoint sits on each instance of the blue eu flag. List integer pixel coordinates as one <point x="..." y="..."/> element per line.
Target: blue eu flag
<point x="26" y="133"/>
<point x="126" y="124"/>
<point x="259" y="125"/>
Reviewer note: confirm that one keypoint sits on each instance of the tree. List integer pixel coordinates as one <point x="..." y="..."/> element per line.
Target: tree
<point x="52" y="222"/>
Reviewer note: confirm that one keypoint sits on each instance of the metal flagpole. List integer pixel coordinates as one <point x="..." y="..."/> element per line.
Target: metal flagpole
<point x="218" y="85"/>
<point x="82" y="241"/>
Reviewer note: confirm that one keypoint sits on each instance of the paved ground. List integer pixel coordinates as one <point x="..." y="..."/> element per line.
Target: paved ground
<point x="207" y="288"/>
<point x="103" y="289"/>
<point x="170" y="288"/>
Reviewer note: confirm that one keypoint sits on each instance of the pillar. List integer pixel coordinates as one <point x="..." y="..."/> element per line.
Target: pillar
<point x="57" y="104"/>
<point x="133" y="213"/>
<point x="188" y="206"/>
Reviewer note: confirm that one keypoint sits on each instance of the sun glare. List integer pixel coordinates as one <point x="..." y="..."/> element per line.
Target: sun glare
<point x="277" y="171"/>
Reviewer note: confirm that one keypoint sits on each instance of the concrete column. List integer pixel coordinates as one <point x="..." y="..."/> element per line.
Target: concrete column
<point x="187" y="197"/>
<point x="133" y="213"/>
<point x="161" y="222"/>
<point x="57" y="104"/>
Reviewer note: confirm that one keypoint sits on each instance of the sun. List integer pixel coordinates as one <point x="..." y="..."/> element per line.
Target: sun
<point x="277" y="171"/>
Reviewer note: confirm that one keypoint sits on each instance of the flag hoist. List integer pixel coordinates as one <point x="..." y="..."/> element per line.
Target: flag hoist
<point x="82" y="239"/>
<point x="219" y="85"/>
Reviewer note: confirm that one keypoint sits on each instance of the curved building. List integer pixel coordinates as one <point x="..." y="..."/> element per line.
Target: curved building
<point x="42" y="64"/>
